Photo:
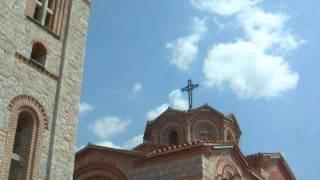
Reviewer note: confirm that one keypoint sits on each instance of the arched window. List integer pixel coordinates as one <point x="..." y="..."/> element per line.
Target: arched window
<point x="205" y="130"/>
<point x="22" y="151"/>
<point x="173" y="138"/>
<point x="39" y="53"/>
<point x="22" y="144"/>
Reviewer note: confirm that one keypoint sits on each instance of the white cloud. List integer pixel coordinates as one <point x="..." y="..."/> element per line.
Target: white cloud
<point x="137" y="87"/>
<point x="247" y="70"/>
<point x="109" y="126"/>
<point x="219" y="24"/>
<point x="185" y="49"/>
<point x="176" y="101"/>
<point x="267" y="30"/>
<point x="85" y="108"/>
<point x="133" y="142"/>
<point x="223" y="7"/>
<point x="254" y="65"/>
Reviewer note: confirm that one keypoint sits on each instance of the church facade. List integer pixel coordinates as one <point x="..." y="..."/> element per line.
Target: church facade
<point x="42" y="49"/>
<point x="199" y="144"/>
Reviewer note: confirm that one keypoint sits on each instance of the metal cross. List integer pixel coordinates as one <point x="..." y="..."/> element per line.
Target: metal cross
<point x="189" y="88"/>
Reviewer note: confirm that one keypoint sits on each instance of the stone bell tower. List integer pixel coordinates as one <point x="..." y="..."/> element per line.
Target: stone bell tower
<point x="42" y="50"/>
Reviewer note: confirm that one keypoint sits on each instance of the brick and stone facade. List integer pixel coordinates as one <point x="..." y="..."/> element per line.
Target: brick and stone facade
<point x="204" y="147"/>
<point x="48" y="92"/>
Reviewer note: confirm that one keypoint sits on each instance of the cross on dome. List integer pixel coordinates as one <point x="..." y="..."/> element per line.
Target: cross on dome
<point x="189" y="88"/>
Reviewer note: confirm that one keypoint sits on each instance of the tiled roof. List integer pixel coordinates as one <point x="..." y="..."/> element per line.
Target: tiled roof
<point x="174" y="148"/>
<point x="93" y="146"/>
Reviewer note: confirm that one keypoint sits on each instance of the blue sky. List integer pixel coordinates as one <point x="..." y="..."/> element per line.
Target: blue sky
<point x="257" y="59"/>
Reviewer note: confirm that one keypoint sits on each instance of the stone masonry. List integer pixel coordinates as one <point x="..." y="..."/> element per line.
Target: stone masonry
<point x="56" y="87"/>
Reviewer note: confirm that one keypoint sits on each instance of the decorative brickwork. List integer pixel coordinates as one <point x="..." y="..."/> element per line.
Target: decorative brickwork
<point x="32" y="154"/>
<point x="100" y="171"/>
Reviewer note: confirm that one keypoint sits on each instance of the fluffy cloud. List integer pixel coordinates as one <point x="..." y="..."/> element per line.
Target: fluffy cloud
<point x="223" y="7"/>
<point x="248" y="71"/>
<point x="109" y="126"/>
<point x="185" y="49"/>
<point x="176" y="101"/>
<point x="85" y="108"/>
<point x="267" y="30"/>
<point x="253" y="65"/>
<point x="137" y="87"/>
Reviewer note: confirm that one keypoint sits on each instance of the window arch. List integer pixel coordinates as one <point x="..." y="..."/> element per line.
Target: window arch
<point x="39" y="53"/>
<point x="226" y="169"/>
<point x="205" y="130"/>
<point x="23" y="146"/>
<point x="98" y="171"/>
<point x="166" y="131"/>
<point x="173" y="138"/>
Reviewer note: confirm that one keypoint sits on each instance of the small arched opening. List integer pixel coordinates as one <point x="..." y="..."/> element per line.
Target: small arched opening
<point x="39" y="53"/>
<point x="173" y="138"/>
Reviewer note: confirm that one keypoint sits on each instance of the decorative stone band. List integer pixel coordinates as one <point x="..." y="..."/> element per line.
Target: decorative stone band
<point x="36" y="66"/>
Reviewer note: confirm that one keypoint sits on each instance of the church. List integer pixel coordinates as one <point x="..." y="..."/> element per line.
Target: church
<point x="198" y="144"/>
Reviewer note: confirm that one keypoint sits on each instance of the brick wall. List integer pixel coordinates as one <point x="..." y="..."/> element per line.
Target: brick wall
<point x="188" y="168"/>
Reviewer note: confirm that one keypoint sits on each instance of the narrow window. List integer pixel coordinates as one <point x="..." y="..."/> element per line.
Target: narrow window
<point x="43" y="12"/>
<point x="21" y="147"/>
<point x="173" y="138"/>
<point x="39" y="54"/>
<point x="51" y="14"/>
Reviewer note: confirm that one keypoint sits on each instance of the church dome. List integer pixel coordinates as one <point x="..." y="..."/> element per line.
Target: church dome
<point x="204" y="123"/>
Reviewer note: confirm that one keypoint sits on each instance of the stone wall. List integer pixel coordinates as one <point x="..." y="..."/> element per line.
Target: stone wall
<point x="188" y="168"/>
<point x="68" y="108"/>
<point x="17" y="77"/>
